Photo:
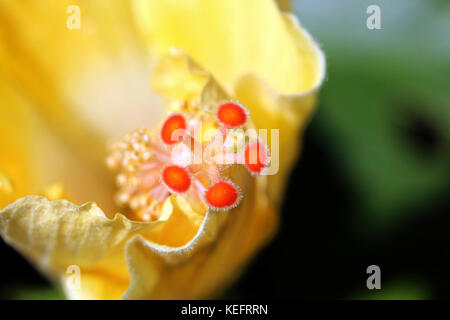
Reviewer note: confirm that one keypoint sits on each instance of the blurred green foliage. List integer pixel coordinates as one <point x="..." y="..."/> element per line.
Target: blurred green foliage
<point x="398" y="290"/>
<point x="389" y="128"/>
<point x="384" y="110"/>
<point x="36" y="293"/>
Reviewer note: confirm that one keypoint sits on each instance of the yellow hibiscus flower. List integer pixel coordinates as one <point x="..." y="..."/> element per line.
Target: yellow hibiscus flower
<point x="69" y="93"/>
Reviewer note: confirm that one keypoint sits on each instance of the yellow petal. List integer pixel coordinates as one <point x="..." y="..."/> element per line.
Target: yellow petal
<point x="232" y="39"/>
<point x="65" y="93"/>
<point x="211" y="265"/>
<point x="181" y="257"/>
<point x="289" y="113"/>
<point x="6" y="189"/>
<point x="177" y="77"/>
<point x="58" y="235"/>
<point x="15" y="174"/>
<point x="181" y="80"/>
<point x="89" y="76"/>
<point x="33" y="158"/>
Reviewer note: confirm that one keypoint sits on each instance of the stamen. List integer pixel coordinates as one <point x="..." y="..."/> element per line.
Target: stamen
<point x="139" y="161"/>
<point x="222" y="195"/>
<point x="176" y="179"/>
<point x="173" y="123"/>
<point x="256" y="157"/>
<point x="153" y="164"/>
<point x="232" y="114"/>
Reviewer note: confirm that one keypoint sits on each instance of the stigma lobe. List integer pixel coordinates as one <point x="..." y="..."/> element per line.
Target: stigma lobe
<point x="232" y="114"/>
<point x="176" y="179"/>
<point x="256" y="157"/>
<point x="222" y="195"/>
<point x="173" y="123"/>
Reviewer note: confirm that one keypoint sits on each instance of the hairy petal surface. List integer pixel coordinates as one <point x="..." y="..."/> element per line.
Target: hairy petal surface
<point x="55" y="236"/>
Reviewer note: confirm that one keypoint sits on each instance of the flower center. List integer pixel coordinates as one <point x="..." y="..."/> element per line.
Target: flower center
<point x="153" y="164"/>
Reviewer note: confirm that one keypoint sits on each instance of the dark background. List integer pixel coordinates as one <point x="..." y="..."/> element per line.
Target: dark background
<point x="372" y="185"/>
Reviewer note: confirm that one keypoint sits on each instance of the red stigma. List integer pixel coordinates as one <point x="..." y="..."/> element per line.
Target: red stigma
<point x="176" y="179"/>
<point x="232" y="114"/>
<point x="222" y="195"/>
<point x="174" y="122"/>
<point x="256" y="157"/>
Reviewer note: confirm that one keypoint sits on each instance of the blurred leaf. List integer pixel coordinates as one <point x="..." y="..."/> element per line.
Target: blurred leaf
<point x="398" y="290"/>
<point x="385" y="110"/>
<point x="36" y="293"/>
